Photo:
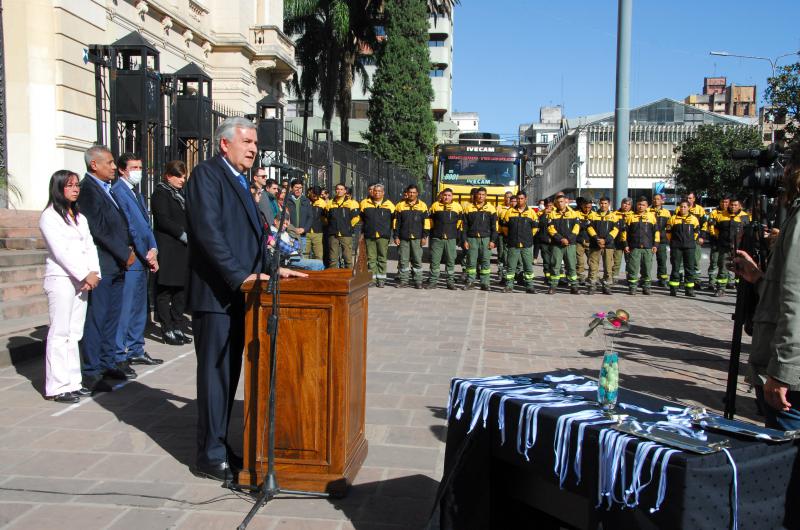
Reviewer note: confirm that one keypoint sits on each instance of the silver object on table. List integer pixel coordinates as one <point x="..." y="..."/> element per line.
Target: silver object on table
<point x="714" y="422"/>
<point x="671" y="439"/>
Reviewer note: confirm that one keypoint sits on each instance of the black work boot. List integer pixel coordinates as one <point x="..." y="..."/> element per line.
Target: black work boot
<point x="451" y="285"/>
<point x="590" y="289"/>
<point x="508" y="288"/>
<point x="632" y="289"/>
<point x="530" y="289"/>
<point x="418" y="284"/>
<point x="690" y="292"/>
<point x="573" y="289"/>
<point x="673" y="291"/>
<point x="646" y="289"/>
<point x="720" y="292"/>
<point x="469" y="285"/>
<point x="551" y="290"/>
<point x="606" y="289"/>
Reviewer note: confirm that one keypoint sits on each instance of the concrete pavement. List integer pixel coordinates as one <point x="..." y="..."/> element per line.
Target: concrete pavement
<point x="120" y="460"/>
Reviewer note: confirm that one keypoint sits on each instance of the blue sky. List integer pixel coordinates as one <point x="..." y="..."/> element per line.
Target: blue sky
<point x="513" y="56"/>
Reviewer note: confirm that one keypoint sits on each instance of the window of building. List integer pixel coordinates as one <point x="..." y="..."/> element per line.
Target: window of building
<point x="545" y="139"/>
<point x="359" y="109"/>
<point x="437" y="71"/>
<point x="437" y="41"/>
<point x="295" y="109"/>
<point x="438" y="115"/>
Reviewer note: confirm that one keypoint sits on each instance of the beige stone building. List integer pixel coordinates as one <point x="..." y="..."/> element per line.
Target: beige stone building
<point x="50" y="88"/>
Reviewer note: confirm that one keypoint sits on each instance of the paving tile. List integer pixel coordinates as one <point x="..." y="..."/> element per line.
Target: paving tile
<point x="141" y="518"/>
<point x="55" y="464"/>
<point x="12" y="510"/>
<point x="401" y="457"/>
<point x="66" y="517"/>
<point x="117" y="466"/>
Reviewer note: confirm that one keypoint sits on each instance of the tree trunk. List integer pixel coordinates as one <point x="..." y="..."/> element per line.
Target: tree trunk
<point x="345" y="93"/>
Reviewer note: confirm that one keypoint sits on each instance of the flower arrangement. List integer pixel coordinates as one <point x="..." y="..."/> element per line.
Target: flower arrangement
<point x="612" y="323"/>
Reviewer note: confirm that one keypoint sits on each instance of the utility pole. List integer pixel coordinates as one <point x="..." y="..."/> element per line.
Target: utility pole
<point x="622" y="121"/>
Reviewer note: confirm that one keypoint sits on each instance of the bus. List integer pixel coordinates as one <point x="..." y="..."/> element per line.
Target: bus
<point x="463" y="166"/>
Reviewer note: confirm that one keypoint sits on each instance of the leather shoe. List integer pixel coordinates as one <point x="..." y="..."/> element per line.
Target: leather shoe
<point x="122" y="371"/>
<point x="145" y="359"/>
<point x="171" y="339"/>
<point x="182" y="336"/>
<point x="221" y="471"/>
<point x="64" y="397"/>
<point x="82" y="392"/>
<point x="235" y="461"/>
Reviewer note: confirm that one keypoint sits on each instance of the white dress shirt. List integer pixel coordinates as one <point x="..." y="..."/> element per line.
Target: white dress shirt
<point x="71" y="248"/>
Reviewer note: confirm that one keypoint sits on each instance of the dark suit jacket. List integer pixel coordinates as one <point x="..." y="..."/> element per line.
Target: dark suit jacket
<point x="169" y="222"/>
<point x="225" y="237"/>
<point x="138" y="222"/>
<point x="108" y="226"/>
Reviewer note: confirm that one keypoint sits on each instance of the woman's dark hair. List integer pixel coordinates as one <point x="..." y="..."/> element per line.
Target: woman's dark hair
<point x="57" y="200"/>
<point x="175" y="168"/>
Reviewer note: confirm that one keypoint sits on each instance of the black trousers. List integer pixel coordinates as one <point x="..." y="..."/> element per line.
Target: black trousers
<point x="170" y="306"/>
<point x="219" y="343"/>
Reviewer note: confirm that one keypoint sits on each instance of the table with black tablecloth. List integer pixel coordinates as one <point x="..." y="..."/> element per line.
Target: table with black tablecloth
<point x="487" y="484"/>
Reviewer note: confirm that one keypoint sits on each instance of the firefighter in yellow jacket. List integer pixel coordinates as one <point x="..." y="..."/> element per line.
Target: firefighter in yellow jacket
<point x="479" y="237"/>
<point x="520" y="225"/>
<point x="724" y="230"/>
<point x="376" y="217"/>
<point x="662" y="254"/>
<point x="342" y="216"/>
<point x="446" y="222"/>
<point x="563" y="227"/>
<point x="603" y="229"/>
<point x="411" y="227"/>
<point x="682" y="231"/>
<point x="641" y="239"/>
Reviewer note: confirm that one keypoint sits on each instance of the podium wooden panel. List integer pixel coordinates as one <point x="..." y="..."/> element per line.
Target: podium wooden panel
<point x="321" y="381"/>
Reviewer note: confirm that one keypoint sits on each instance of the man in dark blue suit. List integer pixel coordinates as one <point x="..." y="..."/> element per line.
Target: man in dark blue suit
<point x="111" y="237"/>
<point x="133" y="315"/>
<point x="226" y="242"/>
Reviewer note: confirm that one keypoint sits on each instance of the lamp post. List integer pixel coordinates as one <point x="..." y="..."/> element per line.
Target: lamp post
<point x="772" y="62"/>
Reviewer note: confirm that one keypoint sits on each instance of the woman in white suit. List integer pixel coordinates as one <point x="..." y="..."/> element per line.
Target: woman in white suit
<point x="71" y="271"/>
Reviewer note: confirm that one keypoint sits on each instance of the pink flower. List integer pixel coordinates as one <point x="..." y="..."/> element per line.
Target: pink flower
<point x="616" y="323"/>
<point x="600" y="315"/>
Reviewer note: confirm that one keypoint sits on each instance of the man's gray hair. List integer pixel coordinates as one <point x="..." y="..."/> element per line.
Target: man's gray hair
<point x="93" y="153"/>
<point x="227" y="129"/>
<point x="376" y="186"/>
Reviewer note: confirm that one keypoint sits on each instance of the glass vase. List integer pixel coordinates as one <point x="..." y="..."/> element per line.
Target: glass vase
<point x="608" y="382"/>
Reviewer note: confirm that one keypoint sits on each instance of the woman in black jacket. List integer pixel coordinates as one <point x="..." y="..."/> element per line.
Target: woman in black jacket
<point x="169" y="216"/>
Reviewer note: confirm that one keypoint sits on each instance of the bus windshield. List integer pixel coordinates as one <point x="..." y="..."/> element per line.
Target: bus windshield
<point x="474" y="170"/>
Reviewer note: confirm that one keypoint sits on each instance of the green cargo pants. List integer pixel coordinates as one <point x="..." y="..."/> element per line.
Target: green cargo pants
<point x="502" y="258"/>
<point x="564" y="263"/>
<point x="582" y="257"/>
<point x="443" y="248"/>
<point x="619" y="257"/>
<point x="410" y="261"/>
<point x="606" y="255"/>
<point x="515" y="255"/>
<point x="639" y="260"/>
<point x="682" y="258"/>
<point x="662" y="258"/>
<point x="314" y="246"/>
<point x="713" y="270"/>
<point x="340" y="247"/>
<point x="377" y="254"/>
<point x="479" y="259"/>
<point x="723" y="277"/>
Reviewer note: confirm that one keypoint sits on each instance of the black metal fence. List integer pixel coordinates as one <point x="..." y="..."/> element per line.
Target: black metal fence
<point x="327" y="162"/>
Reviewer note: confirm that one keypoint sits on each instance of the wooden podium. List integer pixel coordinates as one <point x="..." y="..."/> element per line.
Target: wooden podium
<point x="321" y="381"/>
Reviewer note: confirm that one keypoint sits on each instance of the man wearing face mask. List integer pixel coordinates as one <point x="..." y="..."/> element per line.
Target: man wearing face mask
<point x="133" y="312"/>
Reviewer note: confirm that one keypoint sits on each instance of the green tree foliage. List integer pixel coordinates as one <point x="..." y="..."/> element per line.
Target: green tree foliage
<point x="704" y="161"/>
<point x="401" y="126"/>
<point x="783" y="94"/>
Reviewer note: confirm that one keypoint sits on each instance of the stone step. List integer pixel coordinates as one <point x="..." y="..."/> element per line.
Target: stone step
<point x="20" y="231"/>
<point x="19" y="290"/>
<point x="32" y="306"/>
<point x="22" y="243"/>
<point x="21" y="274"/>
<point x="19" y="218"/>
<point x="20" y="258"/>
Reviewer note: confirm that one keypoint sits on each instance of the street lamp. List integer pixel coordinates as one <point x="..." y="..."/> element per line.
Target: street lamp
<point x="772" y="62"/>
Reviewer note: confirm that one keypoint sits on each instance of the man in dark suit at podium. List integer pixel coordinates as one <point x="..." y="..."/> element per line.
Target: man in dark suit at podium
<point x="226" y="242"/>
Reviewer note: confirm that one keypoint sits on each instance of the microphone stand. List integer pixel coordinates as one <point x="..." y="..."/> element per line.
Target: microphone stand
<point x="269" y="488"/>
